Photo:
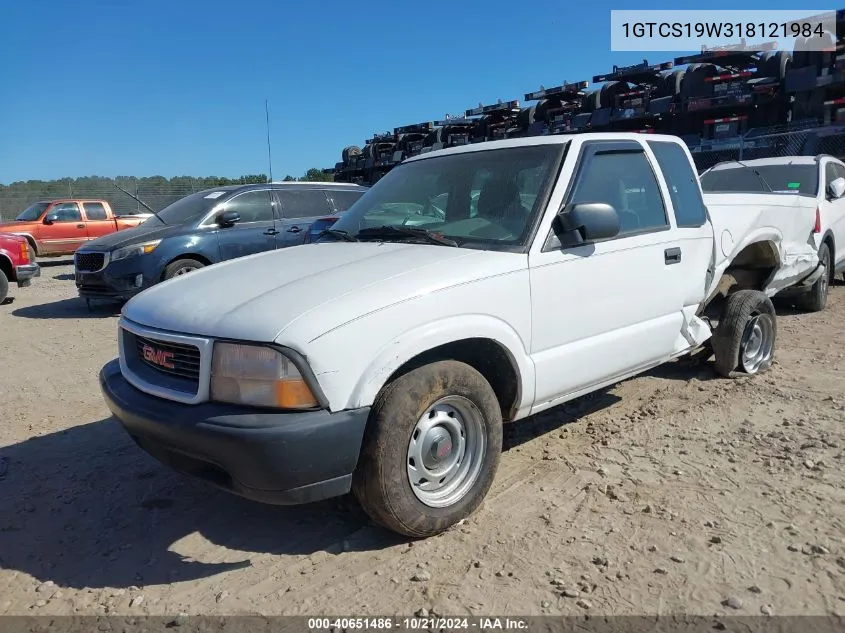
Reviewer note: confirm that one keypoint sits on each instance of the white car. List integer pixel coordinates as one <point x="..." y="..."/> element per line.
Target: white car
<point x="384" y="359"/>
<point x="812" y="185"/>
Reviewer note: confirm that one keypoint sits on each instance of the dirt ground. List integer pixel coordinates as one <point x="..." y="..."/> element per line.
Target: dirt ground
<point x="674" y="492"/>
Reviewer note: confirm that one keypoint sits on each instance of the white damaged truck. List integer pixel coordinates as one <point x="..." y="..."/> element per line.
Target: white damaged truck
<point x="469" y="287"/>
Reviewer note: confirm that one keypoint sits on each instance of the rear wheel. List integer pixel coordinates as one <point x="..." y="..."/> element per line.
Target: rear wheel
<point x="744" y="340"/>
<point x="181" y="267"/>
<point x="431" y="449"/>
<point x="816" y="299"/>
<point x="4" y="287"/>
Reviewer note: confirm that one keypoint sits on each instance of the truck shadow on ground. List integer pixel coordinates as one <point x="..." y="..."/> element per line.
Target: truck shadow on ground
<point x="74" y="308"/>
<point x="86" y="508"/>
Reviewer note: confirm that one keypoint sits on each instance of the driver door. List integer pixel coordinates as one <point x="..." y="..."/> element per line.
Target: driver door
<point x="835" y="211"/>
<point x="67" y="233"/>
<point x="255" y="231"/>
<point x="603" y="310"/>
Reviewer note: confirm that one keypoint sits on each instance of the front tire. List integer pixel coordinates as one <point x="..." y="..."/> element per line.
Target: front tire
<point x="816" y="299"/>
<point x="4" y="287"/>
<point x="744" y="340"/>
<point x="181" y="267"/>
<point x="431" y="449"/>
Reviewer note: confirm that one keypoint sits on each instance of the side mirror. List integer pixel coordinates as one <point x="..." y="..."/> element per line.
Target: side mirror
<point x="49" y="219"/>
<point x="228" y="218"/>
<point x="837" y="188"/>
<point x="587" y="222"/>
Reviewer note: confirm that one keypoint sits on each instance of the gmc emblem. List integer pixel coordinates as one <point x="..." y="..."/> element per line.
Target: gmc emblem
<point x="158" y="357"/>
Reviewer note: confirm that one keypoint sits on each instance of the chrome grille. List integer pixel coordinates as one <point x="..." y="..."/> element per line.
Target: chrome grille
<point x="174" y="359"/>
<point x="90" y="262"/>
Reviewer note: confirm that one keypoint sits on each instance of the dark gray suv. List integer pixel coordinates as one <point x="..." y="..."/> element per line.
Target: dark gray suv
<point x="205" y="228"/>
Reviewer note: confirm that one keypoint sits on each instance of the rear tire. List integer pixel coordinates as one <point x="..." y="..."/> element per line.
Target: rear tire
<point x="181" y="267"/>
<point x="4" y="287"/>
<point x="431" y="449"/>
<point x="744" y="340"/>
<point x="816" y="299"/>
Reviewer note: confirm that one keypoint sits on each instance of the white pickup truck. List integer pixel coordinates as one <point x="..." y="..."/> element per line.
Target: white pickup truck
<point x="809" y="194"/>
<point x="384" y="358"/>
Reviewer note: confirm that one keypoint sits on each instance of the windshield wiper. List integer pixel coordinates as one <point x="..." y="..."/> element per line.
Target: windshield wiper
<point x="338" y="233"/>
<point x="393" y="232"/>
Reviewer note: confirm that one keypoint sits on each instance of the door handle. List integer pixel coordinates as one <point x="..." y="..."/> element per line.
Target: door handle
<point x="271" y="232"/>
<point x="80" y="226"/>
<point x="294" y="229"/>
<point x="672" y="256"/>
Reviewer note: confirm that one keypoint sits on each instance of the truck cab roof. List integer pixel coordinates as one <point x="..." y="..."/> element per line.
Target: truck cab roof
<point x="557" y="139"/>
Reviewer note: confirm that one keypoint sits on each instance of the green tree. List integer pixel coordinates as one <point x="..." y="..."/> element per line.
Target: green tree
<point x="316" y="175"/>
<point x="288" y="178"/>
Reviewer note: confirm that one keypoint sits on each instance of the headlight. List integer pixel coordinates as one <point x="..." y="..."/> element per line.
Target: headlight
<point x="135" y="249"/>
<point x="258" y="376"/>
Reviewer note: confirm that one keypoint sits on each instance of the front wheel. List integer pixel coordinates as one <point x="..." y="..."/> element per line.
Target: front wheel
<point x="816" y="299"/>
<point x="4" y="287"/>
<point x="744" y="340"/>
<point x="181" y="267"/>
<point x="431" y="449"/>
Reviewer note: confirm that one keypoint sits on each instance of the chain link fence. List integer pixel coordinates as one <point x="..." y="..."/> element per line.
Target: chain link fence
<point x="754" y="145"/>
<point x="156" y="192"/>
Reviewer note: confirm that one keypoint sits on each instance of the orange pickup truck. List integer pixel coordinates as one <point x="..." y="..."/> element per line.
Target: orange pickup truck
<point x="59" y="227"/>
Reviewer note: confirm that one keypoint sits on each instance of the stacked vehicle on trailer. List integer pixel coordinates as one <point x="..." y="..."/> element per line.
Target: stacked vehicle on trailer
<point x="767" y="102"/>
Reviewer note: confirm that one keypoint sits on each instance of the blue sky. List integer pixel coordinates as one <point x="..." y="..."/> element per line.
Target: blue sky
<point x="178" y="88"/>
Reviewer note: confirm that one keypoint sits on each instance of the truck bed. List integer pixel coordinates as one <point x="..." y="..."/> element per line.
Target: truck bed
<point x="784" y="219"/>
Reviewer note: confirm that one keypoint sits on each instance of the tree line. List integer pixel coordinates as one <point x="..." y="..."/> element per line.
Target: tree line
<point x="156" y="191"/>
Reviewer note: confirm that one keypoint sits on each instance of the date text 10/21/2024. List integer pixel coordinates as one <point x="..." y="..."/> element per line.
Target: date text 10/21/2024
<point x="418" y="623"/>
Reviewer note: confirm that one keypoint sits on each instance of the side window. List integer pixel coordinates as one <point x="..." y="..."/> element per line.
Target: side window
<point x="67" y="212"/>
<point x="626" y="181"/>
<point x="829" y="174"/>
<point x="304" y="203"/>
<point x="95" y="211"/>
<point x="684" y="189"/>
<point x="252" y="206"/>
<point x="342" y="200"/>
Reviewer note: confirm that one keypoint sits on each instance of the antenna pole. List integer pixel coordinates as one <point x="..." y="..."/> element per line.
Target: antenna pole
<point x="267" y="122"/>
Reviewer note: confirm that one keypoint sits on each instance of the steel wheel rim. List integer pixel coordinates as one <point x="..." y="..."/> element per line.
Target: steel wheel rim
<point x="182" y="271"/>
<point x="757" y="343"/>
<point x="446" y="451"/>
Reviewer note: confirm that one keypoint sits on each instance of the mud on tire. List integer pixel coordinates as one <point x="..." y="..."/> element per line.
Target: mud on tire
<point x="744" y="340"/>
<point x="414" y="419"/>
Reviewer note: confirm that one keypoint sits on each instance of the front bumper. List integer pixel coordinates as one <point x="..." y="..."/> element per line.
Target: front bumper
<point x="266" y="456"/>
<point x="118" y="280"/>
<point x="25" y="273"/>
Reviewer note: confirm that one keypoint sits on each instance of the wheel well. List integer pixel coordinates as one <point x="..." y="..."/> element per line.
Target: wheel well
<point x="486" y="356"/>
<point x="203" y="260"/>
<point x="32" y="244"/>
<point x="751" y="269"/>
<point x="831" y="244"/>
<point x="6" y="267"/>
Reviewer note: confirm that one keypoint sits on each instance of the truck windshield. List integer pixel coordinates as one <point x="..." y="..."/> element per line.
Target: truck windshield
<point x="802" y="179"/>
<point x="33" y="212"/>
<point x="487" y="199"/>
<point x="187" y="209"/>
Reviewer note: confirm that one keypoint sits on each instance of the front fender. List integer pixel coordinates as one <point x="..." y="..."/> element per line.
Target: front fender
<point x="182" y="246"/>
<point x="370" y="374"/>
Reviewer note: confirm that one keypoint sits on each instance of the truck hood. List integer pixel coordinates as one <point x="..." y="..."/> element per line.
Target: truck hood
<point x="316" y="287"/>
<point x="134" y="235"/>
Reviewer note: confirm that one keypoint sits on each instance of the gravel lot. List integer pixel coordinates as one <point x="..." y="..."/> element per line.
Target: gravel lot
<point x="674" y="492"/>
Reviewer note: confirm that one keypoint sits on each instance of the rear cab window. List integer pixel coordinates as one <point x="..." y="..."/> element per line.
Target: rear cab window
<point x="682" y="182"/>
<point x="95" y="211"/>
